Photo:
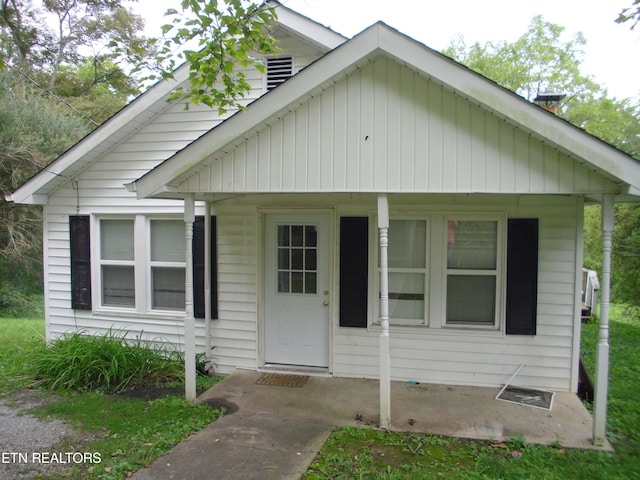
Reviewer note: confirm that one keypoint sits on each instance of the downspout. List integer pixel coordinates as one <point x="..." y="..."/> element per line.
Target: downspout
<point x="602" y="349"/>
<point x="189" y="321"/>
<point x="385" y="357"/>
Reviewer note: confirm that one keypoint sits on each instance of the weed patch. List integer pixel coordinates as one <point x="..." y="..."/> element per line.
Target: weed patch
<point x="111" y="362"/>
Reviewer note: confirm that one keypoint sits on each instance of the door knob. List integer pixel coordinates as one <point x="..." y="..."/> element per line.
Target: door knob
<point x="325" y="303"/>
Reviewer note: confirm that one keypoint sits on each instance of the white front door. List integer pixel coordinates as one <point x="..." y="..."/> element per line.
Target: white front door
<point x="297" y="289"/>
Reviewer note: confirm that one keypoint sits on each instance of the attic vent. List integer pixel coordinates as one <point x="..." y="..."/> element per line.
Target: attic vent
<point x="278" y="70"/>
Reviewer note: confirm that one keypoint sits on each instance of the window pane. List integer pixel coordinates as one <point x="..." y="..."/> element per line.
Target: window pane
<point x="283" y="235"/>
<point x="283" y="259"/>
<point x="406" y="295"/>
<point x="310" y="236"/>
<point x="167" y="241"/>
<point x="116" y="239"/>
<point x="296" y="259"/>
<point x="283" y="282"/>
<point x="471" y="299"/>
<point x="118" y="286"/>
<point x="168" y="288"/>
<point x="310" y="282"/>
<point x="472" y="245"/>
<point x="297" y="235"/>
<point x="297" y="282"/>
<point x="310" y="259"/>
<point x="407" y="243"/>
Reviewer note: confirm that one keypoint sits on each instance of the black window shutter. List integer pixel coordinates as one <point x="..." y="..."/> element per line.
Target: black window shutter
<point x="80" y="252"/>
<point x="198" y="268"/>
<point x="354" y="275"/>
<point x="522" y="276"/>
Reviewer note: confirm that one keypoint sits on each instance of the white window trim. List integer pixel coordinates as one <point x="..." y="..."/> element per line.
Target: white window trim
<point x="142" y="267"/>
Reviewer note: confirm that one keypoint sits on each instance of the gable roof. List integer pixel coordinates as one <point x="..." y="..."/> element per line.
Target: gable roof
<point x="380" y="39"/>
<point x="146" y="107"/>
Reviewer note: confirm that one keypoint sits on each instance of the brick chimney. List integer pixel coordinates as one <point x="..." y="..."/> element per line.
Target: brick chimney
<point x="549" y="101"/>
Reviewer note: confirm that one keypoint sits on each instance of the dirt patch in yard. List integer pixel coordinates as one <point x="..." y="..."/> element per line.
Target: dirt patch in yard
<point x="31" y="446"/>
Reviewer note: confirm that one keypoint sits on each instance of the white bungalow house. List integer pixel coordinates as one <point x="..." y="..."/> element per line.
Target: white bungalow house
<point x="383" y="213"/>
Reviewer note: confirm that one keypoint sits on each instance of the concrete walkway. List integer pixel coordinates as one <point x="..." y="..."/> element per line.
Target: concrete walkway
<point x="274" y="432"/>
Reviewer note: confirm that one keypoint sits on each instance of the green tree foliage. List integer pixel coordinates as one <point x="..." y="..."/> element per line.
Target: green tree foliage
<point x="34" y="129"/>
<point x="215" y="38"/>
<point x="58" y="80"/>
<point x="630" y="14"/>
<point x="544" y="60"/>
<point x="540" y="61"/>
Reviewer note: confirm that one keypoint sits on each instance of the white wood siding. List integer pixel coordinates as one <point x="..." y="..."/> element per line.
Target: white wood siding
<point x="234" y="334"/>
<point x="384" y="128"/>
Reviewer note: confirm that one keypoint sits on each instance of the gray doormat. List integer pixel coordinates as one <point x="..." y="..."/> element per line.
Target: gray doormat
<point x="530" y="397"/>
<point x="281" y="380"/>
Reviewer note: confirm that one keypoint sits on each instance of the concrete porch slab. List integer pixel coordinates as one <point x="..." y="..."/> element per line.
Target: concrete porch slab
<point x="274" y="432"/>
<point x="456" y="411"/>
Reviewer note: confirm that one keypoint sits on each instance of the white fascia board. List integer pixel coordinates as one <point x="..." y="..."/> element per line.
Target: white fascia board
<point x="30" y="192"/>
<point x="314" y="77"/>
<point x="513" y="108"/>
<point x="307" y="29"/>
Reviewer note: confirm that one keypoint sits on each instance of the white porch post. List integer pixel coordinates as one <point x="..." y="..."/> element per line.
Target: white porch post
<point x="602" y="349"/>
<point x="385" y="357"/>
<point x="207" y="278"/>
<point x="189" y="321"/>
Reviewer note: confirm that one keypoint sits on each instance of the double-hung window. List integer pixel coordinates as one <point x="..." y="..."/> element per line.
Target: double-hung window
<point x="117" y="263"/>
<point x="472" y="272"/>
<point x="407" y="259"/>
<point x="142" y="264"/>
<point x="446" y="271"/>
<point x="167" y="262"/>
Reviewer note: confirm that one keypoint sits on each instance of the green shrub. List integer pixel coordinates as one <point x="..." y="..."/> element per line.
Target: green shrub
<point x="108" y="363"/>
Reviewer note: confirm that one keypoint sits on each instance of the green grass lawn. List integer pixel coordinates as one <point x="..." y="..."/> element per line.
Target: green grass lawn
<point x="353" y="452"/>
<point x="130" y="433"/>
<point x="127" y="432"/>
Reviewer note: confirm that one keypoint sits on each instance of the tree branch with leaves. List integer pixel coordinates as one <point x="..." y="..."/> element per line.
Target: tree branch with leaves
<point x="218" y="40"/>
<point x="630" y="14"/>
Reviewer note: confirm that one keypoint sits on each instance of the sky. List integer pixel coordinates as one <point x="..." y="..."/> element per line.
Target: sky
<point x="612" y="52"/>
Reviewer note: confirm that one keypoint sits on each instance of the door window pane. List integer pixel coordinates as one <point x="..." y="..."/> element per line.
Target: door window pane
<point x="118" y="286"/>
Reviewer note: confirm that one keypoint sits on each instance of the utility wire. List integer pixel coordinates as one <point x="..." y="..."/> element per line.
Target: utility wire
<point x="59" y="99"/>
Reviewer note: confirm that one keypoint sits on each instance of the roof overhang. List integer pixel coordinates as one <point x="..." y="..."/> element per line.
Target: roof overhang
<point x="380" y="39"/>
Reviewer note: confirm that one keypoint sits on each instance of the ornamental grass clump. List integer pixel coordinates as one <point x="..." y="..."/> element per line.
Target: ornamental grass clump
<point x="109" y="363"/>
